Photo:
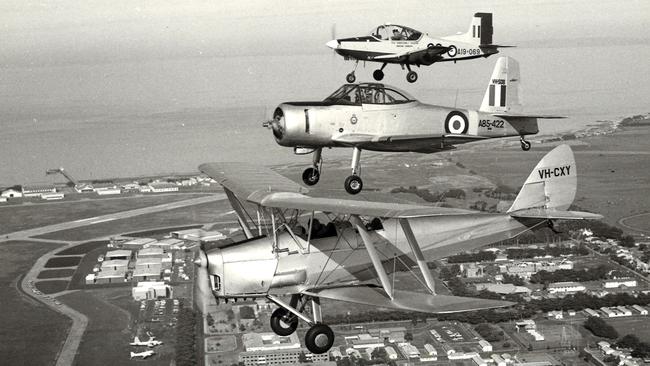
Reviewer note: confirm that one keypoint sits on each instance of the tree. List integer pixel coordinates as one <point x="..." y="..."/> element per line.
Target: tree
<point x="408" y="336"/>
<point x="600" y="328"/>
<point x="242" y="327"/>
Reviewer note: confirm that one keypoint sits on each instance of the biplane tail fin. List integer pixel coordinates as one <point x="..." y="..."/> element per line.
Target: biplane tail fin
<point x="550" y="189"/>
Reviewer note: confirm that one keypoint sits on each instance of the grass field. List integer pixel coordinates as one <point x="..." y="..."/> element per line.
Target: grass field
<point x="83" y="248"/>
<point x="203" y="213"/>
<point x="62" y="262"/>
<point x="51" y="287"/>
<point x="32" y="333"/>
<point x="639" y="326"/>
<point x="47" y="213"/>
<point x="106" y="340"/>
<point x="54" y="273"/>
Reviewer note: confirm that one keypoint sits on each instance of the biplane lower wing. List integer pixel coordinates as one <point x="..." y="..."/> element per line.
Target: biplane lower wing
<point x="406" y="300"/>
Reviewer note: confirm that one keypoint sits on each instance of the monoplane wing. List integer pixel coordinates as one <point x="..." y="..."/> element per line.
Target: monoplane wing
<point x="432" y="139"/>
<point x="519" y="115"/>
<point x="406" y="300"/>
<point x="432" y="51"/>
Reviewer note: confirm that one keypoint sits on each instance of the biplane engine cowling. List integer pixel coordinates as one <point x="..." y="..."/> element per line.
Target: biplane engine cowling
<point x="244" y="269"/>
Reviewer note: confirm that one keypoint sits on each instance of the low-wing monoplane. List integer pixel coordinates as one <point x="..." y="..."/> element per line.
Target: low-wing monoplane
<point x="143" y="354"/>
<point x="378" y="117"/>
<point x="151" y="342"/>
<point x="309" y="248"/>
<point x="397" y="44"/>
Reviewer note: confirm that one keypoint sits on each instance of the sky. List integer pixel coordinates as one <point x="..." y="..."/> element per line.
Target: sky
<point x="107" y="88"/>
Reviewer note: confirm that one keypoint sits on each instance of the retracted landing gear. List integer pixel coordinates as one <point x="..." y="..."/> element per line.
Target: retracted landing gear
<point x="525" y="145"/>
<point x="311" y="175"/>
<point x="353" y="183"/>
<point x="284" y="321"/>
<point x="379" y="73"/>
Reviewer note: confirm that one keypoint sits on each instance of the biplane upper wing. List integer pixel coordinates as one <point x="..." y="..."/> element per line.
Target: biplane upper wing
<point x="262" y="186"/>
<point x="406" y="300"/>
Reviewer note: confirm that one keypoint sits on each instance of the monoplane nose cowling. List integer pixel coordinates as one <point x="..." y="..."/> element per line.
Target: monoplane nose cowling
<point x="278" y="124"/>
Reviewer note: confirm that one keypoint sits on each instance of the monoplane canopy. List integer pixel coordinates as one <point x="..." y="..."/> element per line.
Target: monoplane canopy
<point x="395" y="32"/>
<point x="368" y="93"/>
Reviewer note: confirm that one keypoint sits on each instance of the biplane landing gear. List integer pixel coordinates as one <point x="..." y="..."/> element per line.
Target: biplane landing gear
<point x="319" y="337"/>
<point x="411" y="76"/>
<point x="353" y="183"/>
<point x="379" y="73"/>
<point x="283" y="323"/>
<point x="525" y="145"/>
<point x="311" y="175"/>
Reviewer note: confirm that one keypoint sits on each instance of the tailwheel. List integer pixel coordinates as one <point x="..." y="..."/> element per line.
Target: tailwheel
<point x="378" y="74"/>
<point x="319" y="338"/>
<point x="283" y="322"/>
<point x="311" y="176"/>
<point x="353" y="184"/>
<point x="525" y="145"/>
<point x="412" y="76"/>
<point x="350" y="78"/>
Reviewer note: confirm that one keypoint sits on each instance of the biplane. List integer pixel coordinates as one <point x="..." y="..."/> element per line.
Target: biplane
<point x="301" y="249"/>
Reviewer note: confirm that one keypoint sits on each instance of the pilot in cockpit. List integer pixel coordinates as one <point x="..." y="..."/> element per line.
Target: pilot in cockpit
<point x="397" y="35"/>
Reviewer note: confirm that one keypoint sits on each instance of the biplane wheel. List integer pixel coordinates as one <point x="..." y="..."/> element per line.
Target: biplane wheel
<point x="525" y="145"/>
<point x="319" y="338"/>
<point x="283" y="322"/>
<point x="353" y="184"/>
<point x="350" y="78"/>
<point x="412" y="76"/>
<point x="310" y="176"/>
<point x="378" y="75"/>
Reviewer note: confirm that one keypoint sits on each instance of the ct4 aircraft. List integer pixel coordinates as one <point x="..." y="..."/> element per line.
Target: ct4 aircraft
<point x="396" y="44"/>
<point x="379" y="117"/>
<point x="300" y="249"/>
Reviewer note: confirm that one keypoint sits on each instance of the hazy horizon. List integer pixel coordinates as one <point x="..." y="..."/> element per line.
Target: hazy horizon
<point x="116" y="88"/>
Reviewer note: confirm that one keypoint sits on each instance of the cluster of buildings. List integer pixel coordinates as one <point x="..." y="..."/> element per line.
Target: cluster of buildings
<point x="50" y="192"/>
<point x="272" y="349"/>
<point x="623" y="356"/>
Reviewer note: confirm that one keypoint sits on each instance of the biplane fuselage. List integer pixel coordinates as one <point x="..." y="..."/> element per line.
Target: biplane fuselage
<point x="296" y="264"/>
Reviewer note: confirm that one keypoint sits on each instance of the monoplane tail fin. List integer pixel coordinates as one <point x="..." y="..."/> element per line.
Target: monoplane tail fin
<point x="502" y="94"/>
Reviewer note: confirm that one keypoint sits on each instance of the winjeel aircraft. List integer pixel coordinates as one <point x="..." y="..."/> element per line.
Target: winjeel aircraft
<point x="396" y="44"/>
<point x="152" y="342"/>
<point x="288" y="251"/>
<point x="143" y="354"/>
<point x="379" y="117"/>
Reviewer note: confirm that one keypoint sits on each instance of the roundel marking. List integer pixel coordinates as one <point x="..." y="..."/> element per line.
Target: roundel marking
<point x="456" y="123"/>
<point x="353" y="119"/>
<point x="452" y="51"/>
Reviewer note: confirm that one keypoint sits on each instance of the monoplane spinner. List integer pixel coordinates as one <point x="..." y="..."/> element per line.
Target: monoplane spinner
<point x="380" y="117"/>
<point x="308" y="248"/>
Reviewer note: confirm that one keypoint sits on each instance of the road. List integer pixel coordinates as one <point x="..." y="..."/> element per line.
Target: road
<point x="68" y="351"/>
<point x="622" y="223"/>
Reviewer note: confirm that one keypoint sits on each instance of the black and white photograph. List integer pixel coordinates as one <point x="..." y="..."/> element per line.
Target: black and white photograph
<point x="336" y="183"/>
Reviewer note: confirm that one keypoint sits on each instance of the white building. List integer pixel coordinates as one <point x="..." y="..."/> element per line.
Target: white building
<point x="591" y="312"/>
<point x="620" y="283"/>
<point x="118" y="254"/>
<point x="390" y="351"/>
<point x="479" y="361"/>
<point x="160" y="187"/>
<point x="37" y="190"/>
<point x="150" y="290"/>
<point x="498" y="360"/>
<point x="555" y="314"/>
<point x="409" y="350"/>
<point x="640" y="309"/>
<point x="565" y="287"/>
<point x="11" y="193"/>
<point x="485" y="345"/>
<point x="49" y="196"/>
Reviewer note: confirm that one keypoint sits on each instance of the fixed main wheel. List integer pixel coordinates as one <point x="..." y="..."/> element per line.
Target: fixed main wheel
<point x="310" y="176"/>
<point x="412" y="76"/>
<point x="525" y="145"/>
<point x="283" y="322"/>
<point x="319" y="338"/>
<point x="353" y="184"/>
<point x="350" y="78"/>
<point x="378" y="75"/>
